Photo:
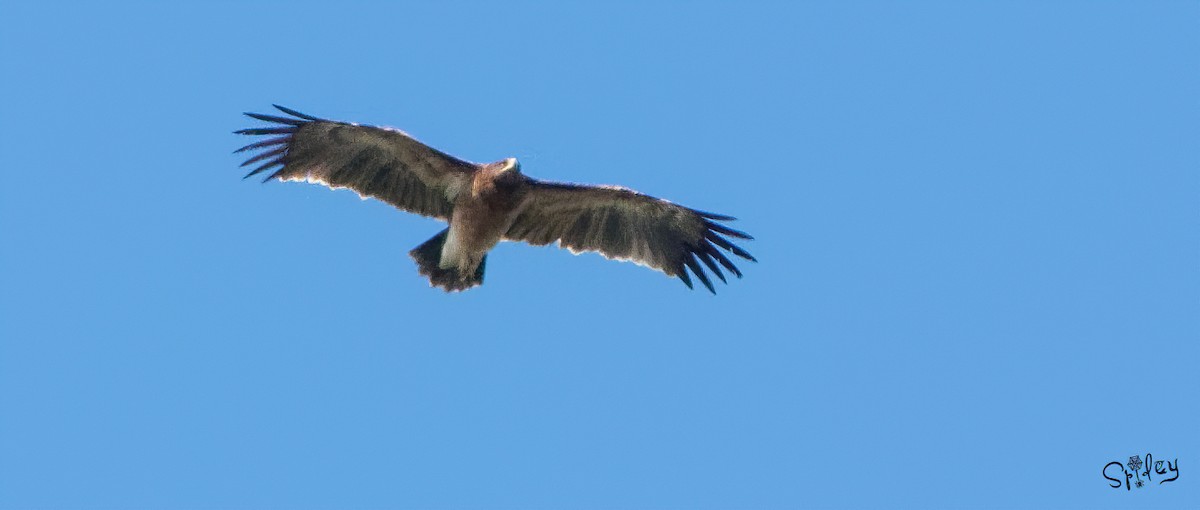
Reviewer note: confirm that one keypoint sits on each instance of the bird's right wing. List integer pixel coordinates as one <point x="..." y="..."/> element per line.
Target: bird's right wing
<point x="376" y="162"/>
<point x="623" y="224"/>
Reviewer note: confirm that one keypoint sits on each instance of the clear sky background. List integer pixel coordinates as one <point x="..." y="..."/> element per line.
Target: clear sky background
<point x="978" y="226"/>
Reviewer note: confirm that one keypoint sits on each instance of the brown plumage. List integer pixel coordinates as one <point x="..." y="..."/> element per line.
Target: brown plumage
<point x="487" y="203"/>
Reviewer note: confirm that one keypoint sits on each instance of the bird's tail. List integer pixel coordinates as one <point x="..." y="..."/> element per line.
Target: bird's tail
<point x="429" y="256"/>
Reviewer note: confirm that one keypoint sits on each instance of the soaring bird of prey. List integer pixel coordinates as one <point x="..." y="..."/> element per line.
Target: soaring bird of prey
<point x="490" y="202"/>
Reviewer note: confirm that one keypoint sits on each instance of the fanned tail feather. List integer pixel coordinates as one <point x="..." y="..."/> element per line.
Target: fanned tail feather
<point x="429" y="256"/>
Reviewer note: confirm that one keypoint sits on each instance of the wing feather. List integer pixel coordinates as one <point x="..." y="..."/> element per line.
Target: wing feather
<point x="377" y="162"/>
<point x="623" y="224"/>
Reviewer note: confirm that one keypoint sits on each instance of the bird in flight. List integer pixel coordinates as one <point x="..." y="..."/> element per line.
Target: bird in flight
<point x="490" y="202"/>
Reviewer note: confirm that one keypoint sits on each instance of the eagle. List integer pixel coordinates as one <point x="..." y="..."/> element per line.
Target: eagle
<point x="490" y="202"/>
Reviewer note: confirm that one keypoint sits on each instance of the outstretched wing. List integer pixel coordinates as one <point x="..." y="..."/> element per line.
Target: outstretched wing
<point x="623" y="224"/>
<point x="376" y="162"/>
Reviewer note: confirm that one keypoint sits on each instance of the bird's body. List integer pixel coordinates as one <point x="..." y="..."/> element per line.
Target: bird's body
<point x="481" y="216"/>
<point x="487" y="203"/>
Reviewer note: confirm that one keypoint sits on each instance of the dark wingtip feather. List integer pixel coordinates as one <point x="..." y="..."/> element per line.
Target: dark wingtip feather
<point x="706" y="258"/>
<point x="727" y="231"/>
<point x="265" y="155"/>
<point x="713" y="216"/>
<point x="683" y="275"/>
<point x="737" y="250"/>
<point x="265" y="131"/>
<point x="690" y="260"/>
<point x="724" y="243"/>
<point x="265" y="143"/>
<point x="295" y="113"/>
<point x="272" y="118"/>
<point x="278" y="174"/>
<point x="269" y="164"/>
<point x="712" y="250"/>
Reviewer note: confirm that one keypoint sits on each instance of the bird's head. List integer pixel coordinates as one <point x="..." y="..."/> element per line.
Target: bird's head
<point x="507" y="171"/>
<point x="510" y="165"/>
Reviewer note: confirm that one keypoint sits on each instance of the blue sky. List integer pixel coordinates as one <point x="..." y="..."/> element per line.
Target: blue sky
<point x="977" y="226"/>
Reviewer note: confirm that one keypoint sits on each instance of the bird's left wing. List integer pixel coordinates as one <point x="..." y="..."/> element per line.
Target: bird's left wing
<point x="623" y="224"/>
<point x="377" y="162"/>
